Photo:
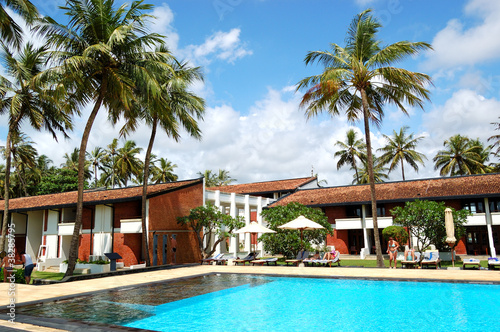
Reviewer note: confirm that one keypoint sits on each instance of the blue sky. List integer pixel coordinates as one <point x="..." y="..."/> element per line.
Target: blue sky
<point x="252" y="52"/>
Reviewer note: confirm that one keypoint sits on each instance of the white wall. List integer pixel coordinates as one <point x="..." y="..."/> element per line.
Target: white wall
<point x="34" y="233"/>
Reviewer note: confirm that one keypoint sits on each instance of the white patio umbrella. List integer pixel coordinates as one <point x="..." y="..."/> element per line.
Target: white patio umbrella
<point x="301" y="223"/>
<point x="450" y="231"/>
<point x="254" y="228"/>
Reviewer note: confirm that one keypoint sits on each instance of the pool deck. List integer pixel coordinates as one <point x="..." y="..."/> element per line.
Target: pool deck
<point x="27" y="294"/>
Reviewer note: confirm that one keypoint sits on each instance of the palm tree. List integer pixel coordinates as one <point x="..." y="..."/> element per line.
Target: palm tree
<point x="96" y="157"/>
<point x="128" y="165"/>
<point x="164" y="172"/>
<point x="484" y="153"/>
<point x="359" y="79"/>
<point x="71" y="163"/>
<point x="25" y="100"/>
<point x="351" y="149"/>
<point x="24" y="156"/>
<point x="102" y="55"/>
<point x="109" y="164"/>
<point x="496" y="139"/>
<point x="177" y="107"/>
<point x="10" y="31"/>
<point x="379" y="172"/>
<point x="460" y="157"/>
<point x="399" y="148"/>
<point x="222" y="178"/>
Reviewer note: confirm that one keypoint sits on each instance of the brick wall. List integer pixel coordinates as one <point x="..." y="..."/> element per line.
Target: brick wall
<point x="129" y="247"/>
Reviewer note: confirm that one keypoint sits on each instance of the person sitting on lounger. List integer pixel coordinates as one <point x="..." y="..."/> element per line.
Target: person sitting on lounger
<point x="330" y="255"/>
<point x="409" y="254"/>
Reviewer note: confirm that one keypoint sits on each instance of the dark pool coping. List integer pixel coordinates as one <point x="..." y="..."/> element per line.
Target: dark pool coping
<point x="74" y="325"/>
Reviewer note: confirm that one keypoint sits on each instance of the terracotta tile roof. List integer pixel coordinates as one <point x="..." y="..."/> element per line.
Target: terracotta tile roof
<point x="450" y="187"/>
<point x="91" y="196"/>
<point x="265" y="187"/>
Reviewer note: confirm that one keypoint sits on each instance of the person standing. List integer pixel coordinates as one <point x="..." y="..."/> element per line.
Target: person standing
<point x="28" y="266"/>
<point x="173" y="243"/>
<point x="392" y="250"/>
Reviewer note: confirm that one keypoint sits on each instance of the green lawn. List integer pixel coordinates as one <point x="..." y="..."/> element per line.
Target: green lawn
<point x="47" y="275"/>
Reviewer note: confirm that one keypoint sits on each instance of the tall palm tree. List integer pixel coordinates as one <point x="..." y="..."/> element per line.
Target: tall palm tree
<point x="351" y="149"/>
<point x="71" y="163"/>
<point x="102" y="55"/>
<point x="399" y="148"/>
<point x="496" y="139"/>
<point x="109" y="164"/>
<point x="164" y="172"/>
<point x="460" y="157"/>
<point x="177" y="107"/>
<point x="96" y="157"/>
<point x="359" y="79"/>
<point x="128" y="165"/>
<point x="484" y="153"/>
<point x="24" y="99"/>
<point x="10" y="32"/>
<point x="24" y="156"/>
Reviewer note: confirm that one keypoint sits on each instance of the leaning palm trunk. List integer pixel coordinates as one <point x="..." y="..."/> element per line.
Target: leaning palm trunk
<point x="145" y="246"/>
<point x="75" y="240"/>
<point x="378" y="247"/>
<point x="5" y="221"/>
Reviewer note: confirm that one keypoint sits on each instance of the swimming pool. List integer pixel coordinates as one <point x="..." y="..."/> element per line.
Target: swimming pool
<point x="256" y="303"/>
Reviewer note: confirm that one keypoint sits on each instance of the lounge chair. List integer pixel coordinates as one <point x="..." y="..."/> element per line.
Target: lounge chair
<point x="300" y="257"/>
<point x="431" y="258"/>
<point x="493" y="262"/>
<point x="328" y="262"/>
<point x="265" y="261"/>
<point x="248" y="258"/>
<point x="209" y="260"/>
<point x="472" y="262"/>
<point x="411" y="264"/>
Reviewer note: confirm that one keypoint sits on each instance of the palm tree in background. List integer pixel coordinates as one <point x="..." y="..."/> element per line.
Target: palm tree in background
<point x="71" y="163"/>
<point x="128" y="165"/>
<point x="484" y="153"/>
<point x="379" y="172"/>
<point x="460" y="157"/>
<point x="102" y="55"/>
<point x="108" y="177"/>
<point x="24" y="155"/>
<point x="495" y="139"/>
<point x="222" y="178"/>
<point x="10" y="32"/>
<point x="96" y="157"/>
<point x="400" y="148"/>
<point x="23" y="99"/>
<point x="163" y="171"/>
<point x="359" y="79"/>
<point x="350" y="151"/>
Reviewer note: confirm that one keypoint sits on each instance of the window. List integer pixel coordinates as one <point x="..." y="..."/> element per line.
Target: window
<point x="494" y="204"/>
<point x="380" y="210"/>
<point x="474" y="206"/>
<point x="353" y="211"/>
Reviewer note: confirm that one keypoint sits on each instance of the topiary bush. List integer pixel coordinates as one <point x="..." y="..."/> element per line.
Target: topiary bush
<point x="398" y="233"/>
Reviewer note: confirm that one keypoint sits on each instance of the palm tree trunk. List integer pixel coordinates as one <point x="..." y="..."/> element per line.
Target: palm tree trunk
<point x="145" y="246"/>
<point x="356" y="170"/>
<point x="402" y="169"/>
<point x="378" y="248"/>
<point x="6" y="194"/>
<point x="73" y="250"/>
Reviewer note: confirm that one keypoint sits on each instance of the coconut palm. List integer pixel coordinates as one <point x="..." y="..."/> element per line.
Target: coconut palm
<point x="350" y="151"/>
<point x="10" y="32"/>
<point x="23" y="100"/>
<point x="484" y="153"/>
<point x="496" y="139"/>
<point x="96" y="157"/>
<point x="460" y="157"/>
<point x="400" y="148"/>
<point x="219" y="179"/>
<point x="177" y="107"/>
<point x="24" y="156"/>
<point x="359" y="79"/>
<point x="102" y="55"/>
<point x="128" y="165"/>
<point x="164" y="172"/>
<point x="379" y="172"/>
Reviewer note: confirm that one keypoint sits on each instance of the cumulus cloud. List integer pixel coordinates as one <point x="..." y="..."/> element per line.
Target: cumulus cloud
<point x="459" y="44"/>
<point x="163" y="24"/>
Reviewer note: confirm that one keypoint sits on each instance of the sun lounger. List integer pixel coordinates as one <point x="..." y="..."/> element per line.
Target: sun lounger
<point x="493" y="262"/>
<point x="325" y="262"/>
<point x="250" y="257"/>
<point x="411" y="264"/>
<point x="265" y="261"/>
<point x="431" y="258"/>
<point x="300" y="257"/>
<point x="472" y="262"/>
<point x="210" y="260"/>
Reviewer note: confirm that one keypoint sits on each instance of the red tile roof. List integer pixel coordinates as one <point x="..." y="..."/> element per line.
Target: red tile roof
<point x="450" y="187"/>
<point x="265" y="187"/>
<point x="92" y="196"/>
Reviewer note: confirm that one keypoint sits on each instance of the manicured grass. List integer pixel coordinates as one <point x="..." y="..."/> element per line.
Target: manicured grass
<point x="47" y="275"/>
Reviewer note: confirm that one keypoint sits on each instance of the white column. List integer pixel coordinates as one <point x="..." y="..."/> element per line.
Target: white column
<point x="233" y="212"/>
<point x="363" y="224"/>
<point x="248" y="245"/>
<point x="259" y="221"/>
<point x="487" y="214"/>
<point x="218" y="249"/>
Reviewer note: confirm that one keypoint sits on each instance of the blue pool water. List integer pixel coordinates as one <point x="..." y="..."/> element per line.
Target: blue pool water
<point x="258" y="303"/>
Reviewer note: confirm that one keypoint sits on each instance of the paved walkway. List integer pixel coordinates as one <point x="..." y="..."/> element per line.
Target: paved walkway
<point x="33" y="294"/>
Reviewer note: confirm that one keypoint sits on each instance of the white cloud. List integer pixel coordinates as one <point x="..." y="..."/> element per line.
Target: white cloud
<point x="458" y="44"/>
<point x="225" y="46"/>
<point x="163" y="24"/>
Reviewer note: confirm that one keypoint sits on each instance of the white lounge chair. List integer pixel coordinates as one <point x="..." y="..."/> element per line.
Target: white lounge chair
<point x="431" y="257"/>
<point x="474" y="262"/>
